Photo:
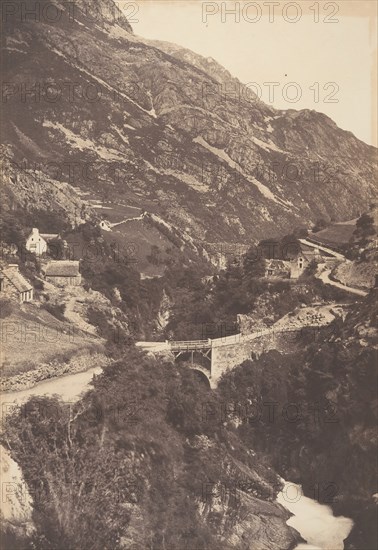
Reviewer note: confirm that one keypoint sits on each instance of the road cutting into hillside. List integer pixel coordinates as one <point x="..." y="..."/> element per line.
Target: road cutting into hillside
<point x="324" y="277"/>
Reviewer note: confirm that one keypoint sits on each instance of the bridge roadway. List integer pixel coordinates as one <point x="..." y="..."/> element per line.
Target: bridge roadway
<point x="193" y="345"/>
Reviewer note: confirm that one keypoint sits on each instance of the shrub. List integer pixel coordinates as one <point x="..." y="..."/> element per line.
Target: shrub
<point x="320" y="224"/>
<point x="6" y="308"/>
<point x="56" y="309"/>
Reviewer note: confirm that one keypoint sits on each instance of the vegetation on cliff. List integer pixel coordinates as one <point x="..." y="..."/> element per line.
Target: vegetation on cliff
<point x="314" y="413"/>
<point x="137" y="461"/>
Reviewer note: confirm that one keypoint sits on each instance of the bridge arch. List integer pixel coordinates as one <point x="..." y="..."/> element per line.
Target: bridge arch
<point x="202" y="374"/>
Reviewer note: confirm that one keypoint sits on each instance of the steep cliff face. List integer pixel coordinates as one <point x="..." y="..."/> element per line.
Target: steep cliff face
<point x="154" y="125"/>
<point x="17" y="503"/>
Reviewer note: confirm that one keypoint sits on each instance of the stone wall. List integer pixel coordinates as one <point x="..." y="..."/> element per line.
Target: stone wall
<point x="226" y="357"/>
<point x="64" y="281"/>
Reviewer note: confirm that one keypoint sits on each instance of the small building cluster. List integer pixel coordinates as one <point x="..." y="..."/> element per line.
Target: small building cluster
<point x="14" y="286"/>
<point x="59" y="272"/>
<point x="294" y="267"/>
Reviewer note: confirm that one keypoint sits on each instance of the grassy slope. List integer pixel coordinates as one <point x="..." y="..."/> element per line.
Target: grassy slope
<point x="337" y="234"/>
<point x="32" y="336"/>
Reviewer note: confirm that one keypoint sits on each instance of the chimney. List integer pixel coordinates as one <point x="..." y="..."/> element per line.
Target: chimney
<point x="13" y="267"/>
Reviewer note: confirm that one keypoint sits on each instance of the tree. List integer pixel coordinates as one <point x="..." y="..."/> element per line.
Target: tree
<point x="253" y="264"/>
<point x="269" y="249"/>
<point x="290" y="247"/>
<point x="320" y="224"/>
<point x="364" y="231"/>
<point x="56" y="249"/>
<point x="311" y="268"/>
<point x="365" y="225"/>
<point x="301" y="232"/>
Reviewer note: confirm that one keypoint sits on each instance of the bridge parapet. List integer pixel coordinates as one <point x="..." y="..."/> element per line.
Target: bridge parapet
<point x="189" y="345"/>
<point x="227" y="340"/>
<point x="205" y="344"/>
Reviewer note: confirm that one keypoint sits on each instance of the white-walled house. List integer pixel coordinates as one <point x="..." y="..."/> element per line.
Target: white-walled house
<point x="37" y="242"/>
<point x="105" y="225"/>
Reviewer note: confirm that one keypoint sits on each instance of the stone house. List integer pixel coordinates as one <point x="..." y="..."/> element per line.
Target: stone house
<point x="286" y="269"/>
<point x="63" y="272"/>
<point x="293" y="267"/>
<point x="310" y="253"/>
<point x="14" y="286"/>
<point x="37" y="242"/>
<point x="277" y="268"/>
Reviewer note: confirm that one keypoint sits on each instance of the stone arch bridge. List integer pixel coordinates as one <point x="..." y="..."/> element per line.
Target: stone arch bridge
<point x="213" y="357"/>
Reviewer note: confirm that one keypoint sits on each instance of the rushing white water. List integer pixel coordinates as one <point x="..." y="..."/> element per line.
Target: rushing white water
<point x="315" y="522"/>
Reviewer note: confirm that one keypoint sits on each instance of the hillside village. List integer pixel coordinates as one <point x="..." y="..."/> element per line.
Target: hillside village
<point x="42" y="288"/>
<point x="66" y="272"/>
<point x="61" y="273"/>
<point x="54" y="296"/>
<point x="58" y="267"/>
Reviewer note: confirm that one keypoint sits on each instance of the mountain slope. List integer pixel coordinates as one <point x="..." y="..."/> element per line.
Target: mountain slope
<point x="149" y="124"/>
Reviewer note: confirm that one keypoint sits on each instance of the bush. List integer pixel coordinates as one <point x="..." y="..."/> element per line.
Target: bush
<point x="56" y="309"/>
<point x="6" y="308"/>
<point x="311" y="269"/>
<point x="320" y="224"/>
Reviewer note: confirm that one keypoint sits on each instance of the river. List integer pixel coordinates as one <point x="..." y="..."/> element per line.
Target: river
<point x="315" y="522"/>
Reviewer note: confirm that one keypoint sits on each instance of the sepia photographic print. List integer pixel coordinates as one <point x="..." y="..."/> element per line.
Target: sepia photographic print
<point x="188" y="275"/>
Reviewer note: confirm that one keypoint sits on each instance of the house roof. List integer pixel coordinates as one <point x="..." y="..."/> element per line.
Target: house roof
<point x="305" y="249"/>
<point x="63" y="268"/>
<point x="18" y="280"/>
<point x="46" y="236"/>
<point x="277" y="264"/>
<point x="49" y="236"/>
<point x="310" y="255"/>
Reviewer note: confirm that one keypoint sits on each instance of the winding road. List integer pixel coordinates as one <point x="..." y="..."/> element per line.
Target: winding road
<point x="325" y="249"/>
<point x="324" y="276"/>
<point x="323" y="273"/>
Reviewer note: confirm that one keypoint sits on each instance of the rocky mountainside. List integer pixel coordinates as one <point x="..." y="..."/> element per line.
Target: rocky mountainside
<point x="89" y="107"/>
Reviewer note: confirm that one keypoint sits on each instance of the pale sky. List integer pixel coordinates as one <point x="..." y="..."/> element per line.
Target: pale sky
<point x="333" y="64"/>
